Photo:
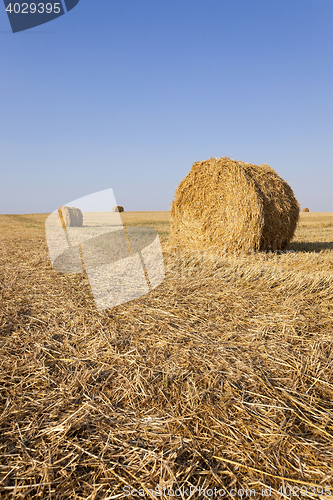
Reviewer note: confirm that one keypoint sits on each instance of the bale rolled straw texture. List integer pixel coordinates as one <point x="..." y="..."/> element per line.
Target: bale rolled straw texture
<point x="305" y="210"/>
<point x="224" y="206"/>
<point x="118" y="208"/>
<point x="71" y="216"/>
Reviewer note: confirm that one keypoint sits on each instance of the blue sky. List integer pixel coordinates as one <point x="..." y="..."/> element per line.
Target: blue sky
<point x="128" y="94"/>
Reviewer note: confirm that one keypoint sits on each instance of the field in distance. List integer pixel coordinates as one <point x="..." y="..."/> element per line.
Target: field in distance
<point x="314" y="231"/>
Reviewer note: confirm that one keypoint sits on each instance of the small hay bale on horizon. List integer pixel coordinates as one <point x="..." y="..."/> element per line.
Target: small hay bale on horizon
<point x="305" y="210"/>
<point x="70" y="216"/>
<point x="224" y="206"/>
<point x="118" y="208"/>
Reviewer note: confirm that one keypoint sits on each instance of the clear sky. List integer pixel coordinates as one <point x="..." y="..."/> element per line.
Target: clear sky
<point x="128" y="94"/>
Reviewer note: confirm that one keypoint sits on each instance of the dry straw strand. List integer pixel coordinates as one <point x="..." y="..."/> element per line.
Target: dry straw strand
<point x="226" y="206"/>
<point x="70" y="216"/>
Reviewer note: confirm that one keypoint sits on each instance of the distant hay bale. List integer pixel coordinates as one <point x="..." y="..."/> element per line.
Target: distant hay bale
<point x="305" y="210"/>
<point x="226" y="206"/>
<point x="71" y="216"/>
<point x="118" y="208"/>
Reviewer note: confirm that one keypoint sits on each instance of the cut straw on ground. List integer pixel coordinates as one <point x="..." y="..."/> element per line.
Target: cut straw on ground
<point x="221" y="376"/>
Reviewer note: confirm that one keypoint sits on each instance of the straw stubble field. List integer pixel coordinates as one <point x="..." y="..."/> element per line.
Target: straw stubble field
<point x="220" y="377"/>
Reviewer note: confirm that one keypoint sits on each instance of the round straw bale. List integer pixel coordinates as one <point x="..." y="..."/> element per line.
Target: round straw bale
<point x="226" y="206"/>
<point x="305" y="210"/>
<point x="72" y="217"/>
<point x="118" y="208"/>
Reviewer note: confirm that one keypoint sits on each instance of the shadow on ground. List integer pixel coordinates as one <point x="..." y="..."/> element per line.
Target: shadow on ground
<point x="315" y="246"/>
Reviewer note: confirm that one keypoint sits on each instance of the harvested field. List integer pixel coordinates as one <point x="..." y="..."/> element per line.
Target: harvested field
<point x="220" y="377"/>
